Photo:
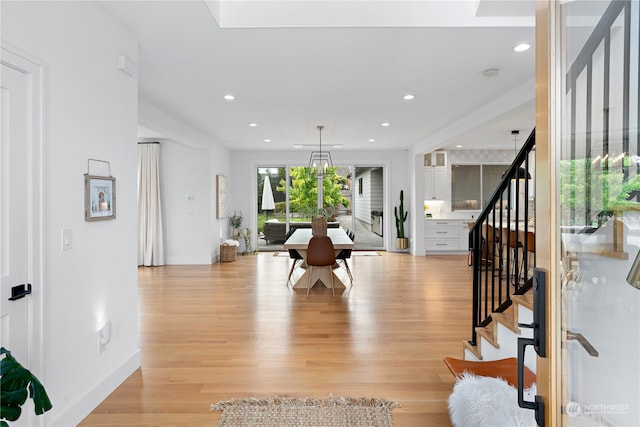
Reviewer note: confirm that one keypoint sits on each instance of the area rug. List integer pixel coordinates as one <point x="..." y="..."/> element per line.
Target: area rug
<point x="305" y="412"/>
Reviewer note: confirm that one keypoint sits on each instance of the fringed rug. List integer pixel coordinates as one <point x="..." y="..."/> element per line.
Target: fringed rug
<point x="305" y="412"/>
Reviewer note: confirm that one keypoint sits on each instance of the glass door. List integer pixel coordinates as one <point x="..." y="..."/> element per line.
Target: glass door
<point x="599" y="212"/>
<point x="272" y="207"/>
<point x="368" y="207"/>
<point x="288" y="199"/>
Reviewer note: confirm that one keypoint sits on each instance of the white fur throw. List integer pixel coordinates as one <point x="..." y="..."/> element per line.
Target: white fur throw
<point x="486" y="401"/>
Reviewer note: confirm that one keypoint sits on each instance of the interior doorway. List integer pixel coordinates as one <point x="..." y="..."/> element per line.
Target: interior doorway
<point x="368" y="207"/>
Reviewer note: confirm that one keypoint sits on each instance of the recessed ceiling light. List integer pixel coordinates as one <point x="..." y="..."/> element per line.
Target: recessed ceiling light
<point x="338" y="145"/>
<point x="253" y="125"/>
<point x="385" y="124"/>
<point x="229" y="97"/>
<point x="458" y="146"/>
<point x="297" y="145"/>
<point x="267" y="140"/>
<point x="372" y="140"/>
<point x="408" y="97"/>
<point x="522" y="47"/>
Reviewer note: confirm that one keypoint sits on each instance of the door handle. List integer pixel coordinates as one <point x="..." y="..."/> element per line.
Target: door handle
<point x="538" y="342"/>
<point x="583" y="342"/>
<point x="20" y="291"/>
<point x="538" y="404"/>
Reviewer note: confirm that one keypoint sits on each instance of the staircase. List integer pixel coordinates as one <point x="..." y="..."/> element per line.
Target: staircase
<point x="498" y="339"/>
<point x="502" y="243"/>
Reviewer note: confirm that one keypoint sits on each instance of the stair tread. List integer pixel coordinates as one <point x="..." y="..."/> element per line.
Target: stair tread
<point x="525" y="300"/>
<point x="488" y="333"/>
<point x="506" y="369"/>
<point x="474" y="349"/>
<point x="508" y="320"/>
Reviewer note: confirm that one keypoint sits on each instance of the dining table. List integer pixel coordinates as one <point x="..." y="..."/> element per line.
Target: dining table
<point x="299" y="241"/>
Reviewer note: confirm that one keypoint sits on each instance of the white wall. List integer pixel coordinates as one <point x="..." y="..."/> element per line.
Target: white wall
<point x="90" y="111"/>
<point x="187" y="202"/>
<point x="242" y="180"/>
<point x="190" y="161"/>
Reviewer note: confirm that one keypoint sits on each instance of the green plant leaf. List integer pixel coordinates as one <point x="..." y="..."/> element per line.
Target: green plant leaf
<point x="9" y="412"/>
<point x="16" y="384"/>
<point x="13" y="397"/>
<point x="39" y="396"/>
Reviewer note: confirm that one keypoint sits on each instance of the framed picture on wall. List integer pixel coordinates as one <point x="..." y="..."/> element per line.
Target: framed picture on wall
<point x="221" y="196"/>
<point x="99" y="197"/>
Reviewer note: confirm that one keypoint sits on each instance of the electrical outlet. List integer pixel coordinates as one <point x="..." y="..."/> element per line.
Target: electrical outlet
<point x="101" y="347"/>
<point x="104" y="336"/>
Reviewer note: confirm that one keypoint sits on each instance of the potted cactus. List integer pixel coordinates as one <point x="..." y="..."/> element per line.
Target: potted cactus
<point x="402" y="242"/>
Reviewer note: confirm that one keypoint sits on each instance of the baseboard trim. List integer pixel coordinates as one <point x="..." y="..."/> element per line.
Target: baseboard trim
<point x="79" y="409"/>
<point x="188" y="261"/>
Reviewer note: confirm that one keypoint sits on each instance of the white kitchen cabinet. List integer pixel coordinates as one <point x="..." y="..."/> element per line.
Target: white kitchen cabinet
<point x="464" y="234"/>
<point x="436" y="184"/>
<point x="435" y="159"/>
<point x="446" y="235"/>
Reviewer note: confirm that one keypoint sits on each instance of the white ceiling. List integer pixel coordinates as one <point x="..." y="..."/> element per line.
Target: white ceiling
<point x="293" y="65"/>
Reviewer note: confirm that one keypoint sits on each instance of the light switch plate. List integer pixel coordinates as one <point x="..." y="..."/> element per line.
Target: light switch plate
<point x="67" y="239"/>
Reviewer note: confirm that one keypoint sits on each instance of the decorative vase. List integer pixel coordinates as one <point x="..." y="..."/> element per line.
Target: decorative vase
<point x="402" y="242"/>
<point x="236" y="233"/>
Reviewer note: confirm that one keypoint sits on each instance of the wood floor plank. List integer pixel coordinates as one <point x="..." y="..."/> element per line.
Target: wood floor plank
<point x="230" y="330"/>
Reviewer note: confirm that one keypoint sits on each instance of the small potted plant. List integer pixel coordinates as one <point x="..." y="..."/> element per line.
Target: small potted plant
<point x="236" y="222"/>
<point x="402" y="242"/>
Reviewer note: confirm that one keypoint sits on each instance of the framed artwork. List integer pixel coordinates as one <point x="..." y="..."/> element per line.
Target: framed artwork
<point x="99" y="197"/>
<point x="221" y="196"/>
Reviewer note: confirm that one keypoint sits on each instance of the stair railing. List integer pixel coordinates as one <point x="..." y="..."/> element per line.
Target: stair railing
<point x="502" y="241"/>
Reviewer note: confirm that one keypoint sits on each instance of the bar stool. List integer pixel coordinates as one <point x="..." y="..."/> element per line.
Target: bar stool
<point x="511" y="243"/>
<point x="531" y="253"/>
<point x="492" y="249"/>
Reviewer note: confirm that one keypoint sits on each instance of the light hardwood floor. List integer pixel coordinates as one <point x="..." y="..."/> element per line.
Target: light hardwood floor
<point x="231" y="330"/>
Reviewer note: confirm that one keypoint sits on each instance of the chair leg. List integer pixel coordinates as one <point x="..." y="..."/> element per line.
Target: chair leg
<point x="310" y="276"/>
<point x="293" y="266"/>
<point x="333" y="292"/>
<point x="346" y="267"/>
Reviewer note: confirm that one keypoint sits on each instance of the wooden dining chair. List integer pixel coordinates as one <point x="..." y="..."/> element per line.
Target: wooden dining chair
<point x="294" y="255"/>
<point x="320" y="254"/>
<point x="345" y="254"/>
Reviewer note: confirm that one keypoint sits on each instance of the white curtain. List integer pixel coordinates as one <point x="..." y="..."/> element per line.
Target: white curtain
<point x="150" y="236"/>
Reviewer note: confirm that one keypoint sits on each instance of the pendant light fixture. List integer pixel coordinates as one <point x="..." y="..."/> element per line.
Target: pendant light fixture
<point x="522" y="172"/>
<point x="320" y="160"/>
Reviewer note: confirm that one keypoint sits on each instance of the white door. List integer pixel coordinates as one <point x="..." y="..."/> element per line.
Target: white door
<point x="19" y="229"/>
